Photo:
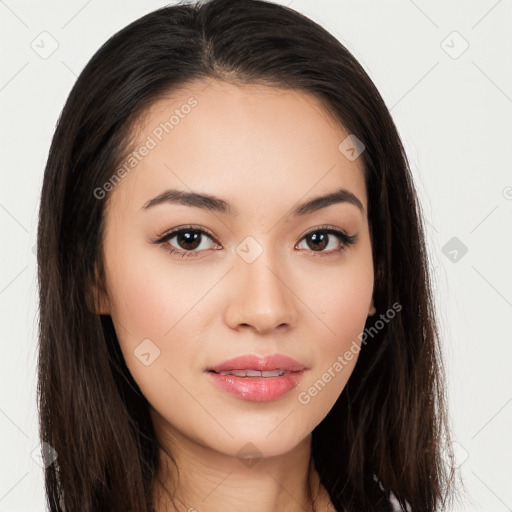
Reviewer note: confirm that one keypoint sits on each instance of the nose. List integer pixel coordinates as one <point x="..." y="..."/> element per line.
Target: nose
<point x="260" y="296"/>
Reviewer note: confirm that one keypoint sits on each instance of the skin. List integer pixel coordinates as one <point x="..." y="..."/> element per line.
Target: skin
<point x="263" y="150"/>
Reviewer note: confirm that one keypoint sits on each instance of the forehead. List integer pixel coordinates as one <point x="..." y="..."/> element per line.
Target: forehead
<point x="245" y="142"/>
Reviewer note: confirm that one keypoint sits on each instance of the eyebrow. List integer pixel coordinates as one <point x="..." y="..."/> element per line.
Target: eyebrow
<point x="216" y="204"/>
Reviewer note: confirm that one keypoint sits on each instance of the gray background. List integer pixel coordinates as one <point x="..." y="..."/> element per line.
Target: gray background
<point x="452" y="106"/>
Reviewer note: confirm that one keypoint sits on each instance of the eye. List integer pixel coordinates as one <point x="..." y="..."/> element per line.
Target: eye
<point x="321" y="237"/>
<point x="188" y="239"/>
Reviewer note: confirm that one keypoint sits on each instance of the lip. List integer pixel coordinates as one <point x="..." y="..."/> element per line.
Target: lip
<point x="260" y="363"/>
<point x="257" y="389"/>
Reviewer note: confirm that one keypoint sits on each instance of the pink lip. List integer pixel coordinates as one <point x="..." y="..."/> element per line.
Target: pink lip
<point x="258" y="389"/>
<point x="260" y="363"/>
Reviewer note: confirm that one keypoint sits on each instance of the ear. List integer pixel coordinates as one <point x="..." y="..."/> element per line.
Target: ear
<point x="101" y="303"/>
<point x="372" y="309"/>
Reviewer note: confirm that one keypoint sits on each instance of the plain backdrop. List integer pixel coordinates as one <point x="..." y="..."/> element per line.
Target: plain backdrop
<point x="444" y="70"/>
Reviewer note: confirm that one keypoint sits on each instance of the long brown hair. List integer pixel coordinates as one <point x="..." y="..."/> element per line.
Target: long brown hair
<point x="390" y="423"/>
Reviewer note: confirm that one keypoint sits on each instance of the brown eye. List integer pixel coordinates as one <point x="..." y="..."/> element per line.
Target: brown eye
<point x="322" y="238"/>
<point x="189" y="241"/>
<point x="318" y="241"/>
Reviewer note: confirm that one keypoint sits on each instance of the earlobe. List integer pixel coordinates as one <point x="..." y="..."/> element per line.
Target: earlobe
<point x="101" y="305"/>
<point x="372" y="310"/>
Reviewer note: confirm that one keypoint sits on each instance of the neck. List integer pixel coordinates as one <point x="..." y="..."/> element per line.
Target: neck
<point x="207" y="480"/>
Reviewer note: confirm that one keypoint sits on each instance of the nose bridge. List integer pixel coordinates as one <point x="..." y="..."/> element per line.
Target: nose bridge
<point x="262" y="296"/>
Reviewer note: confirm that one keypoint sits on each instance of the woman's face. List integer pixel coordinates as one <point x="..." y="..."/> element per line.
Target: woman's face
<point x="255" y="274"/>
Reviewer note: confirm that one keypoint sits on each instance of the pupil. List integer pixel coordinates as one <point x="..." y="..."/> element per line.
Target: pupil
<point x="189" y="240"/>
<point x="322" y="238"/>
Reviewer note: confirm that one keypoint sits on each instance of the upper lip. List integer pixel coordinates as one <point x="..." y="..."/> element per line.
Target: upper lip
<point x="259" y="363"/>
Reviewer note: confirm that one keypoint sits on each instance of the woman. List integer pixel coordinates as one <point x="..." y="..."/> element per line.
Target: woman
<point x="235" y="305"/>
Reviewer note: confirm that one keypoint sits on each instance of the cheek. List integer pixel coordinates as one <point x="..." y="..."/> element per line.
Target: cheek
<point x="341" y="299"/>
<point x="153" y="317"/>
<point x="139" y="304"/>
<point x="340" y="302"/>
<point x="153" y="300"/>
<point x="150" y="296"/>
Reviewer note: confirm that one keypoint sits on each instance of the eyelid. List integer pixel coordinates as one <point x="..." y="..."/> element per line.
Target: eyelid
<point x="345" y="239"/>
<point x="176" y="229"/>
<point x="194" y="227"/>
<point x="326" y="227"/>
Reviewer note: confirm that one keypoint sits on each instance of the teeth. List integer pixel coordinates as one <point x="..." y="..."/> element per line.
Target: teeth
<point x="255" y="373"/>
<point x="273" y="373"/>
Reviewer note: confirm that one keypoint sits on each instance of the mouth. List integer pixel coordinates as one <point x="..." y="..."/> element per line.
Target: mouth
<point x="257" y="378"/>
<point x="256" y="386"/>
<point x="253" y="365"/>
<point x="254" y="373"/>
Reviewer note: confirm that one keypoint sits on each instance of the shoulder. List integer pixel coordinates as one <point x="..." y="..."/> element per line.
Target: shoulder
<point x="394" y="505"/>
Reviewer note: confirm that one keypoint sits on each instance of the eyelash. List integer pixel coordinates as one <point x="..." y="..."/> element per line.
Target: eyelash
<point x="346" y="240"/>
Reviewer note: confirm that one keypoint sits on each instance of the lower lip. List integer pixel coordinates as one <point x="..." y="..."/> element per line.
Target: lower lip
<point x="257" y="389"/>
